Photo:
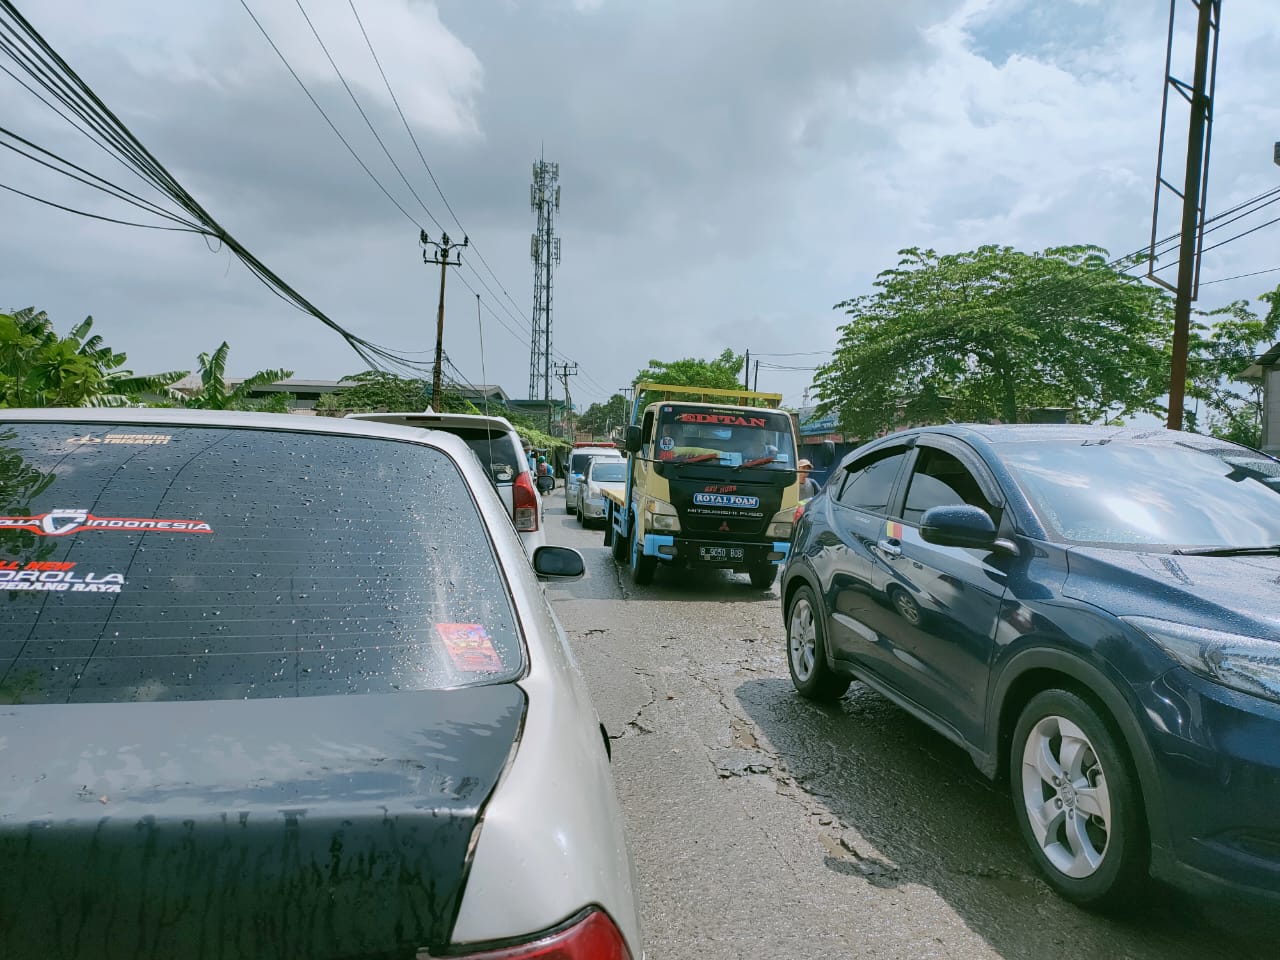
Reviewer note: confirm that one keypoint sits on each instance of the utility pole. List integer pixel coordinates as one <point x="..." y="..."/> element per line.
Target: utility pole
<point x="564" y="371"/>
<point x="544" y="251"/>
<point x="746" y="372"/>
<point x="757" y="377"/>
<point x="442" y="250"/>
<point x="1199" y="94"/>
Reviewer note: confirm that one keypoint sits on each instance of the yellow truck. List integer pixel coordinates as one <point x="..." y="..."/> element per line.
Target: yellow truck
<point x="711" y="481"/>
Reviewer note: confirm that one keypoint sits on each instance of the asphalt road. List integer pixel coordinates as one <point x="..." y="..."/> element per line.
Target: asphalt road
<point x="764" y="826"/>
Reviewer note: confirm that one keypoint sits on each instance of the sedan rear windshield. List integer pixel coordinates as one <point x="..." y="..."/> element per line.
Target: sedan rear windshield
<point x="604" y="471"/>
<point x="1124" y="493"/>
<point x="578" y="461"/>
<point x="194" y="563"/>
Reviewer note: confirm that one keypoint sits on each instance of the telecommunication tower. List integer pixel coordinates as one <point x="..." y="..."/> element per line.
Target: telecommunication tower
<point x="544" y="250"/>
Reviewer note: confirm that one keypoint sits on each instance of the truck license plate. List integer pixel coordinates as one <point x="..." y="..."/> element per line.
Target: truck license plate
<point x="720" y="553"/>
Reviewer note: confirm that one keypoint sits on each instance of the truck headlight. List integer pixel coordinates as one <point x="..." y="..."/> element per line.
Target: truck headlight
<point x="1242" y="663"/>
<point x="662" y="516"/>
<point x="781" y="525"/>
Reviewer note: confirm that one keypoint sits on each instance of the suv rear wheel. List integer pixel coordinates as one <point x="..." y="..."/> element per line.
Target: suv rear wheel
<point x="1076" y="799"/>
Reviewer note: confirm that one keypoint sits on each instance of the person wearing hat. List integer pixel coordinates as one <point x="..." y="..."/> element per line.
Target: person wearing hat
<point x="807" y="487"/>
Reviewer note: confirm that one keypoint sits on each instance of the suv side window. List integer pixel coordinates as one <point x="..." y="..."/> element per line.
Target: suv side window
<point x="869" y="484"/>
<point x="941" y="480"/>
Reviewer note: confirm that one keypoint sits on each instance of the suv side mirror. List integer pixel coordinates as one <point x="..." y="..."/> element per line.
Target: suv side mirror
<point x="558" y="563"/>
<point x="959" y="526"/>
<point x="633" y="439"/>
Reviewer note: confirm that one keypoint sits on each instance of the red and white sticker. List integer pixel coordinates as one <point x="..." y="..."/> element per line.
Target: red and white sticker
<point x="54" y="576"/>
<point x="61" y="523"/>
<point x="469" y="647"/>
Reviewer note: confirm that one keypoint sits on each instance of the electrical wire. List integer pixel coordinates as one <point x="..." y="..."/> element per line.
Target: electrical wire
<point x="517" y="317"/>
<point x="338" y="133"/>
<point x="1239" y="276"/>
<point x="97" y="216"/>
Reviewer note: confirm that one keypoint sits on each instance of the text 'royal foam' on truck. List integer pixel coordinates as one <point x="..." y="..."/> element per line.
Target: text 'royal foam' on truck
<point x="711" y="481"/>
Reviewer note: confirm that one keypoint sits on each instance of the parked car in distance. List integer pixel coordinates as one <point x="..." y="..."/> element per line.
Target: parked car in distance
<point x="579" y="457"/>
<point x="1090" y="612"/>
<point x="285" y="686"/>
<point x="497" y="446"/>
<point x="602" y="473"/>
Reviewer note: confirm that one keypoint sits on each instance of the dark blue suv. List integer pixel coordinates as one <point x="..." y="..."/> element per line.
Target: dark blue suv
<point x="1091" y="612"/>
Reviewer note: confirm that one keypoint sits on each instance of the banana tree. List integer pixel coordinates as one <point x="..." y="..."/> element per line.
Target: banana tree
<point x="39" y="368"/>
<point x="214" y="395"/>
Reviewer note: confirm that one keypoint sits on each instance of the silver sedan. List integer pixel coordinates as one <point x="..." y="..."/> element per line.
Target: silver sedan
<point x="288" y="686"/>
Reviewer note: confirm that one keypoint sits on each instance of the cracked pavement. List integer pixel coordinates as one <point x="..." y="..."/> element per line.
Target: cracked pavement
<point x="765" y="826"/>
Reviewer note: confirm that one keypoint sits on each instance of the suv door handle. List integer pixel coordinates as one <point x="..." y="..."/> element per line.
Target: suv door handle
<point x="892" y="547"/>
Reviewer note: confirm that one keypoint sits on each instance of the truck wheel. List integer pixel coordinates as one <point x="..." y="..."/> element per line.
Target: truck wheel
<point x="763" y="575"/>
<point x="642" y="567"/>
<point x="807" y="651"/>
<point x="617" y="543"/>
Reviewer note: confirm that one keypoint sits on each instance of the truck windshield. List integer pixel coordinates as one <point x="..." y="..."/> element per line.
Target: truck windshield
<point x="728" y="437"/>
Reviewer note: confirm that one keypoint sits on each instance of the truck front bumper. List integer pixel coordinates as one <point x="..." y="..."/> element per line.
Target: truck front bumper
<point x="715" y="553"/>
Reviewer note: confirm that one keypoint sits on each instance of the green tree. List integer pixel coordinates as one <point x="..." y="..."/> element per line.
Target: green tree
<point x="375" y="391"/>
<point x="721" y="373"/>
<point x="39" y="368"/>
<point x="599" y="418"/>
<point x="1220" y="350"/>
<point x="993" y="332"/>
<point x="214" y="395"/>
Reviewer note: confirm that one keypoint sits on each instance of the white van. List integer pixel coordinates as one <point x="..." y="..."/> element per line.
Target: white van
<point x="579" y="457"/>
<point x="497" y="446"/>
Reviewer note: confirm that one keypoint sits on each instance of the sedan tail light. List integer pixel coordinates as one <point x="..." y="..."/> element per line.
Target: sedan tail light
<point x="593" y="936"/>
<point x="524" y="503"/>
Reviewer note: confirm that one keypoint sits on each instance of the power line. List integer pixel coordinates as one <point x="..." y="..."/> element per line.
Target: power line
<point x="103" y="185"/>
<point x="96" y="216"/>
<point x="316" y="104"/>
<point x="382" y="144"/>
<point x="369" y="123"/>
<point x="1240" y="276"/>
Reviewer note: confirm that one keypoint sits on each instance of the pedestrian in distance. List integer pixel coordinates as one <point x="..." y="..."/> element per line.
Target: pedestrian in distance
<point x="808" y="488"/>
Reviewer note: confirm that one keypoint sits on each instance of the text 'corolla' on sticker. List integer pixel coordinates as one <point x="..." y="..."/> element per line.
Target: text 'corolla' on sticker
<point x="469" y="647"/>
<point x="52" y="576"/>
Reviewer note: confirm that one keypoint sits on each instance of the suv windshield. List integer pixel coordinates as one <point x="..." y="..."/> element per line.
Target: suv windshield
<point x="1125" y="493"/>
<point x="729" y="437"/>
<point x="607" y="471"/>
<point x="185" y="563"/>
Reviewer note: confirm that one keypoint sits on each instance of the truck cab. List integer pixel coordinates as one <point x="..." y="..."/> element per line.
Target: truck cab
<point x="711" y="481"/>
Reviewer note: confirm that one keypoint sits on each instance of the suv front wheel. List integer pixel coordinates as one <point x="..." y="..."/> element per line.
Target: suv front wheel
<point x="1077" y="802"/>
<point x="807" y="651"/>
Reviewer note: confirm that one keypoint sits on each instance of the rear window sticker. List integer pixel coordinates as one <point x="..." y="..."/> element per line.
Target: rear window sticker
<point x="60" y="523"/>
<point x="469" y="647"/>
<point x="54" y="576"/>
<point x="132" y="439"/>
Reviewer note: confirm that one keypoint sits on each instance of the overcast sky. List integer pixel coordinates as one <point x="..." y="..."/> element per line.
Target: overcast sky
<point x="730" y="168"/>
